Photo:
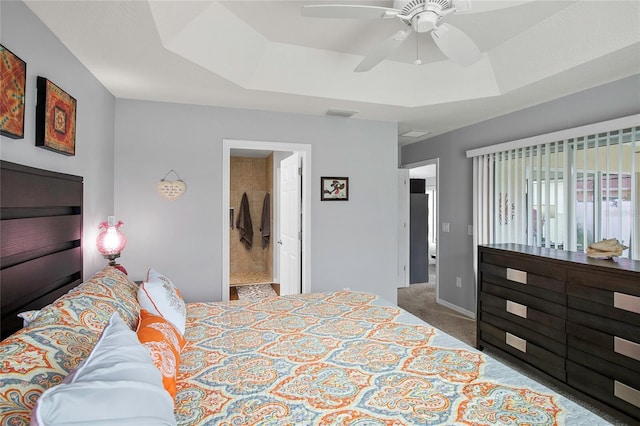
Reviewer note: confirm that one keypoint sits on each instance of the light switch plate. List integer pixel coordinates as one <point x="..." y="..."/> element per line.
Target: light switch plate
<point x="445" y="226"/>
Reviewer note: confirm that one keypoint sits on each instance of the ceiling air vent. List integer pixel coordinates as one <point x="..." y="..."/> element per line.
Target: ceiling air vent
<point x="341" y="113"/>
<point x="415" y="133"/>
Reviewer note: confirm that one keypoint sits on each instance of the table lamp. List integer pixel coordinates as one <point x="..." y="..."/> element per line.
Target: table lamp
<point x="111" y="241"/>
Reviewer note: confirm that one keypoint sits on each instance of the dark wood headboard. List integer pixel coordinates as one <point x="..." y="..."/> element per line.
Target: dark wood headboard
<point x="40" y="239"/>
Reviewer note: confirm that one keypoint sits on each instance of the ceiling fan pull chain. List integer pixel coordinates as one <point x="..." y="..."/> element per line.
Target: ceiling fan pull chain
<point x="417" y="61"/>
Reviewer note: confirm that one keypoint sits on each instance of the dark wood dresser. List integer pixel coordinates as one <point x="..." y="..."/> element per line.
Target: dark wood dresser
<point x="573" y="318"/>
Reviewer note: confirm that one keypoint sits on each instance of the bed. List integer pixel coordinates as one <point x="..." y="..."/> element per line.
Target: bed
<point x="312" y="359"/>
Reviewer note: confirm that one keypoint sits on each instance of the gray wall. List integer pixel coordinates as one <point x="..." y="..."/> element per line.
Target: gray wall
<point x="25" y="35"/>
<point x="354" y="243"/>
<point x="618" y="99"/>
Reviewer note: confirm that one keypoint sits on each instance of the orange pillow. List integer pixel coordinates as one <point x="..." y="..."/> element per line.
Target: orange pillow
<point x="164" y="343"/>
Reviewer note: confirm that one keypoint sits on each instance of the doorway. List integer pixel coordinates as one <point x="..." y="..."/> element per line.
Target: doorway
<point x="251" y="219"/>
<point x="424" y="176"/>
<point x="299" y="269"/>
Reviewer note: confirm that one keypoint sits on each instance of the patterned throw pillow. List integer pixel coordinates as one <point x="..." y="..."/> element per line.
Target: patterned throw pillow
<point x="36" y="358"/>
<point x="164" y="343"/>
<point x="94" y="301"/>
<point x="160" y="296"/>
<point x="40" y="355"/>
<point x="115" y="384"/>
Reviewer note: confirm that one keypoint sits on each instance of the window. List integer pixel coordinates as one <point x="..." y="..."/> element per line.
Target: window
<point x="564" y="193"/>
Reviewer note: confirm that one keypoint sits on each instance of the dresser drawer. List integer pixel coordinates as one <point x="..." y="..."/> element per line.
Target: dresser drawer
<point x="605" y="368"/>
<point x="544" y="288"/>
<point x="529" y="352"/>
<point x="615" y="392"/>
<point x="615" y="282"/>
<point x="526" y="311"/>
<point x="529" y="265"/>
<point x="526" y="298"/>
<point x="614" y="349"/>
<point x="606" y="325"/>
<point x="605" y="302"/>
<point x="530" y="335"/>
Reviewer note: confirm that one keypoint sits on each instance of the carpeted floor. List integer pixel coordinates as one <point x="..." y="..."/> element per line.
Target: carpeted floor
<point x="420" y="300"/>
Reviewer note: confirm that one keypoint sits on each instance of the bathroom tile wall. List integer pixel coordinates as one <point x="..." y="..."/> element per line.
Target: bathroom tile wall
<point x="255" y="177"/>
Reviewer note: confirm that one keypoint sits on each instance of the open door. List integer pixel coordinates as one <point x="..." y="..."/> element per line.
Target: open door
<point x="403" y="228"/>
<point x="289" y="225"/>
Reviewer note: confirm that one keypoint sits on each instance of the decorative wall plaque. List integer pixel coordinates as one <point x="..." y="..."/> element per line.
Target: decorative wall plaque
<point x="171" y="190"/>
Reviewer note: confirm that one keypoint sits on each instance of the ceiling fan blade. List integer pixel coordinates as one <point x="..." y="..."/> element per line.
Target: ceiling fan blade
<point x="382" y="51"/>
<point x="456" y="45"/>
<point x="348" y="11"/>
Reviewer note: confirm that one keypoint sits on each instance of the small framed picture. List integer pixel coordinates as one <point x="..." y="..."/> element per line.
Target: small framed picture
<point x="55" y="118"/>
<point x="334" y="188"/>
<point x="12" y="96"/>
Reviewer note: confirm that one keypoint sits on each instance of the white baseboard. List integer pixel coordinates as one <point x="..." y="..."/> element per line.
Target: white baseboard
<point x="456" y="308"/>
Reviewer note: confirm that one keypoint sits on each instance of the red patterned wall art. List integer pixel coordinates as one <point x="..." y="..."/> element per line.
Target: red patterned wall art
<point x="14" y="74"/>
<point x="55" y="118"/>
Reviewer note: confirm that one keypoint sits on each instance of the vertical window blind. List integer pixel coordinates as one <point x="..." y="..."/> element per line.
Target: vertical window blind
<point x="563" y="193"/>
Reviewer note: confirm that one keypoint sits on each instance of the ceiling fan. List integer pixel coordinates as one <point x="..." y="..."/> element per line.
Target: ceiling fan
<point x="420" y="15"/>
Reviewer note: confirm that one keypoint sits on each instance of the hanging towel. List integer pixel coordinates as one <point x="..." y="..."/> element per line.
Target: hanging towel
<point x="265" y="223"/>
<point x="244" y="223"/>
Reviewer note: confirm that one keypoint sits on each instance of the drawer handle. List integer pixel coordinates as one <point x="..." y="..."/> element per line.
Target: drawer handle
<point x="626" y="393"/>
<point x="517" y="276"/>
<point x="626" y="348"/>
<point x="626" y="302"/>
<point x="516" y="309"/>
<point x="516" y="342"/>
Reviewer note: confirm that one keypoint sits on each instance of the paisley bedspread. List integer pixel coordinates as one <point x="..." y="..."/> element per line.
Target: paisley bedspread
<point x="347" y="358"/>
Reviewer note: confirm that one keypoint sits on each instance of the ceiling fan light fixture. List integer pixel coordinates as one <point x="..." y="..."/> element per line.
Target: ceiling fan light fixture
<point x="424" y="21"/>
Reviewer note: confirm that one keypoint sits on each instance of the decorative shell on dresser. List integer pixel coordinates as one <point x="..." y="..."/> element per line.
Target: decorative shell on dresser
<point x="606" y="249"/>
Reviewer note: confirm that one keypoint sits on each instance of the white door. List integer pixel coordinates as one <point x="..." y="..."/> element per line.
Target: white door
<point x="289" y="225"/>
<point x="403" y="228"/>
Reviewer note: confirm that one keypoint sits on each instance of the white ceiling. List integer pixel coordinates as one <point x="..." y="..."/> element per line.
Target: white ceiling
<point x="264" y="55"/>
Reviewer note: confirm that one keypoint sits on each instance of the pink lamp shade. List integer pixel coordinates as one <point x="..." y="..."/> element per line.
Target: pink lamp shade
<point x="111" y="241"/>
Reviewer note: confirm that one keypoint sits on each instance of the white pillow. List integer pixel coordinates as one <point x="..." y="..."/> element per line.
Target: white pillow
<point x="160" y="296"/>
<point x="117" y="384"/>
<point x="28" y="316"/>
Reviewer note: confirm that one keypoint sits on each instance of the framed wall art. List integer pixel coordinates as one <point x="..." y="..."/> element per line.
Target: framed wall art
<point x="55" y="118"/>
<point x="14" y="78"/>
<point x="334" y="188"/>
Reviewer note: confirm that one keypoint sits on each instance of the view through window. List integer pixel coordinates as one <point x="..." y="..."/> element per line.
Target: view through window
<point x="565" y="194"/>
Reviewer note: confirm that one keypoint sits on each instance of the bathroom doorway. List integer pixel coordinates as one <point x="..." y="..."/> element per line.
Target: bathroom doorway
<point x="251" y="170"/>
<point x="251" y="253"/>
